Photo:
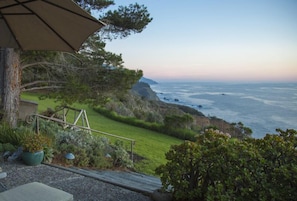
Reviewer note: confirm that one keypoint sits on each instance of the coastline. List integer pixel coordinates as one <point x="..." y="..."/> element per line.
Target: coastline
<point x="200" y="121"/>
<point x="267" y="106"/>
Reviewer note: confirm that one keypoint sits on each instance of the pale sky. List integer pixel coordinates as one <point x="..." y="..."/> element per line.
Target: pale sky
<point x="214" y="40"/>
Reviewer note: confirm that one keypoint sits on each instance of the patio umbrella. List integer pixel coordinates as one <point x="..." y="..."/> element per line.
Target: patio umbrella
<point x="59" y="25"/>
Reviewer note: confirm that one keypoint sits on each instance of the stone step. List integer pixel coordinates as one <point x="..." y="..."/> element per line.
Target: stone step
<point x="35" y="191"/>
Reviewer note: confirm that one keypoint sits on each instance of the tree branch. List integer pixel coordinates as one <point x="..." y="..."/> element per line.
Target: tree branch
<point x="38" y="63"/>
<point x="40" y="82"/>
<point x="49" y="64"/>
<point x="39" y="88"/>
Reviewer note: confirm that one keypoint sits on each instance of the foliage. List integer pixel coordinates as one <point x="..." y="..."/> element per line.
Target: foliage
<point x="77" y="138"/>
<point x="94" y="4"/>
<point x="11" y="138"/>
<point x="149" y="144"/>
<point x="48" y="128"/>
<point x="245" y="131"/>
<point x="165" y="118"/>
<point x="175" y="121"/>
<point x="180" y="133"/>
<point x="35" y="142"/>
<point x="9" y="135"/>
<point x="183" y="134"/>
<point x="91" y="151"/>
<point x="86" y="80"/>
<point x="120" y="156"/>
<point x="124" y="20"/>
<point x="216" y="167"/>
<point x="280" y="164"/>
<point x="92" y="74"/>
<point x="48" y="154"/>
<point x="7" y="147"/>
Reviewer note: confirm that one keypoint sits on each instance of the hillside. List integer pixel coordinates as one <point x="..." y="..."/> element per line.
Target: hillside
<point x="143" y="90"/>
<point x="145" y="100"/>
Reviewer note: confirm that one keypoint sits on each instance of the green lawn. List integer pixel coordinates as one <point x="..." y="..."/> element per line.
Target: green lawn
<point x="150" y="145"/>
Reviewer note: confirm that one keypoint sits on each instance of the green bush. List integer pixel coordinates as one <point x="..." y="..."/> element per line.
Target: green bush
<point x="91" y="151"/>
<point x="7" y="147"/>
<point x="180" y="132"/>
<point x="98" y="159"/>
<point x="10" y="135"/>
<point x="48" y="154"/>
<point x="48" y="128"/>
<point x="120" y="157"/>
<point x="279" y="153"/>
<point x="216" y="167"/>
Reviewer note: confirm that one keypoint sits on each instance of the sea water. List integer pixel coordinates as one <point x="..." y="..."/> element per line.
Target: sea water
<point x="263" y="107"/>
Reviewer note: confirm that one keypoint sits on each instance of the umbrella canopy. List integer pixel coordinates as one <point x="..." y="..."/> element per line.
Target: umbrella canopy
<point x="59" y="25"/>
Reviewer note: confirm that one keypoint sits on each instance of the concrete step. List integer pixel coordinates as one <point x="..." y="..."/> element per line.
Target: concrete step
<point x="35" y="191"/>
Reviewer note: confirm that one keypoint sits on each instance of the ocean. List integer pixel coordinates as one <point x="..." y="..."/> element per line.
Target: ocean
<point x="263" y="107"/>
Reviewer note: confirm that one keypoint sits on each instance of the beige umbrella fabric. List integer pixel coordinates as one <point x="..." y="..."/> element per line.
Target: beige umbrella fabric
<point x="59" y="25"/>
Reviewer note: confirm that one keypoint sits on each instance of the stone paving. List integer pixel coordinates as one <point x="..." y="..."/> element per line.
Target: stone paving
<point x="82" y="184"/>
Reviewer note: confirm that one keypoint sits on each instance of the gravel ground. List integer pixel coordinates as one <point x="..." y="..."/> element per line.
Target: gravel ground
<point x="81" y="187"/>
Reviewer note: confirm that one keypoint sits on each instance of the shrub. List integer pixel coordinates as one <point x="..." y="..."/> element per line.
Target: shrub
<point x="35" y="142"/>
<point x="178" y="122"/>
<point x="48" y="154"/>
<point x="179" y="131"/>
<point x="120" y="157"/>
<point x="99" y="160"/>
<point x="91" y="151"/>
<point x="77" y="138"/>
<point x="10" y="135"/>
<point x="154" y="117"/>
<point x="7" y="147"/>
<point x="216" y="167"/>
<point x="48" y="128"/>
<point x="280" y="164"/>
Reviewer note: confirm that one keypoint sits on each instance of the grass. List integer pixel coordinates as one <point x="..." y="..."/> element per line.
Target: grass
<point x="149" y="144"/>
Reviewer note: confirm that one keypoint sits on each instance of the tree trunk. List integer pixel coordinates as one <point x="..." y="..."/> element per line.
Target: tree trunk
<point x="11" y="81"/>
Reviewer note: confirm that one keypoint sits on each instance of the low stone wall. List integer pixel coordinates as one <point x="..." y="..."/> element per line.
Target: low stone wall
<point x="27" y="108"/>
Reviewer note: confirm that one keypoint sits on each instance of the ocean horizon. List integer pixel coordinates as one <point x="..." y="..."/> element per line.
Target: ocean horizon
<point x="263" y="107"/>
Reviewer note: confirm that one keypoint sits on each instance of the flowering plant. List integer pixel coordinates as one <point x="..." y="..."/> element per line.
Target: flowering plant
<point x="35" y="142"/>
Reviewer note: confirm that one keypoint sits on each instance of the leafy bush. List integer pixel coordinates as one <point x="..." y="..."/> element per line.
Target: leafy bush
<point x="48" y="128"/>
<point x="279" y="154"/>
<point x="10" y="135"/>
<point x="216" y="167"/>
<point x="120" y="157"/>
<point x="91" y="151"/>
<point x="24" y="136"/>
<point x="153" y="117"/>
<point x="77" y="138"/>
<point x="179" y="132"/>
<point x="35" y="142"/>
<point x="177" y="121"/>
<point x="48" y="154"/>
<point x="7" y="147"/>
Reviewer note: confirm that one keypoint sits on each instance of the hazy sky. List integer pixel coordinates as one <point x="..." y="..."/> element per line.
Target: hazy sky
<point x="215" y="40"/>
